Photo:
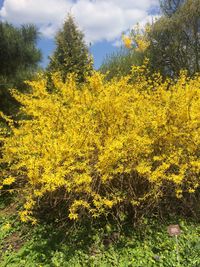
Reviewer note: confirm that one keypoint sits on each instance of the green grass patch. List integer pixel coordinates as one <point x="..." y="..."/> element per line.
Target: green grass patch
<point x="100" y="243"/>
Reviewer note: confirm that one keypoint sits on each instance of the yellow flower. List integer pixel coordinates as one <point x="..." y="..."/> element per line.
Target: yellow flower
<point x="6" y="227"/>
<point x="73" y="216"/>
<point x="127" y="41"/>
<point x="142" y="44"/>
<point x="179" y="193"/>
<point x="191" y="190"/>
<point x="8" y="181"/>
<point x="108" y="203"/>
<point x="98" y="143"/>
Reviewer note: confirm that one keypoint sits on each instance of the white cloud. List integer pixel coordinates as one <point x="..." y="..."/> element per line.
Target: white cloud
<point x="99" y="19"/>
<point x="118" y="43"/>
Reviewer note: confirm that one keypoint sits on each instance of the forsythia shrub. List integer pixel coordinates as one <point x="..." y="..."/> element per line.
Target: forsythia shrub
<point x="138" y="38"/>
<point x="103" y="145"/>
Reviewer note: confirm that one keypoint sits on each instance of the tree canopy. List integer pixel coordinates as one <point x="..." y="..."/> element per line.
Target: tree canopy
<point x="169" y="7"/>
<point x="120" y="63"/>
<point x="175" y="39"/>
<point x="71" y="54"/>
<point x="19" y="58"/>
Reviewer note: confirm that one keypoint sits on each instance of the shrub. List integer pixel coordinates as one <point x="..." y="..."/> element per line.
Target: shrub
<point x="104" y="145"/>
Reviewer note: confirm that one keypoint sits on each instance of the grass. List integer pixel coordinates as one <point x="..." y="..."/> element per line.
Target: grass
<point x="96" y="244"/>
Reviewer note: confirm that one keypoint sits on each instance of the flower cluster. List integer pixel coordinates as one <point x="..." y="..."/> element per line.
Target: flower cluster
<point x="104" y="143"/>
<point x="138" y="38"/>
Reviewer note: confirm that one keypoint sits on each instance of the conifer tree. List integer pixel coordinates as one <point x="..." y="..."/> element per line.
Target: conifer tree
<point x="19" y="58"/>
<point x="71" y="54"/>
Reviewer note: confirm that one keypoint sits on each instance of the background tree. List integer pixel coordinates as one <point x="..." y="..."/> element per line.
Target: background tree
<point x="71" y="54"/>
<point x="169" y="7"/>
<point x="175" y="39"/>
<point x="119" y="63"/>
<point x="19" y="59"/>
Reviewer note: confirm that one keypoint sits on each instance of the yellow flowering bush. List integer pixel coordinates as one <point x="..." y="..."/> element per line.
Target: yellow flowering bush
<point x="138" y="38"/>
<point x="127" y="41"/>
<point x="104" y="145"/>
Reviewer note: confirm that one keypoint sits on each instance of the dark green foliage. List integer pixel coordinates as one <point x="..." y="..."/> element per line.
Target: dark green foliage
<point x="19" y="59"/>
<point x="18" y="49"/>
<point x="175" y="41"/>
<point x="71" y="54"/>
<point x="119" y="63"/>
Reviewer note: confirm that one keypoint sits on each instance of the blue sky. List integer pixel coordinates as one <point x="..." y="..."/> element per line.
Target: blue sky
<point x="102" y="21"/>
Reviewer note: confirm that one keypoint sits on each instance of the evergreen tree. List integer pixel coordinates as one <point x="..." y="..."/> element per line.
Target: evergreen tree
<point x="71" y="54"/>
<point x="19" y="59"/>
